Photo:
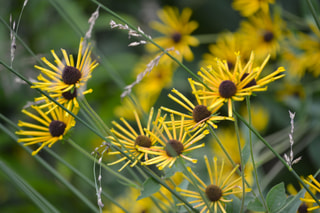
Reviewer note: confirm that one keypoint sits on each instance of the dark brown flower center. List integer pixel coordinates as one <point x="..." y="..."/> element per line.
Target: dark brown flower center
<point x="71" y="94"/>
<point x="70" y="75"/>
<point x="174" y="148"/>
<point x="200" y="112"/>
<point x="227" y="89"/>
<point x="143" y="141"/>
<point x="303" y="208"/>
<point x="56" y="128"/>
<point x="251" y="83"/>
<point x="268" y="36"/>
<point x="176" y="37"/>
<point x="213" y="192"/>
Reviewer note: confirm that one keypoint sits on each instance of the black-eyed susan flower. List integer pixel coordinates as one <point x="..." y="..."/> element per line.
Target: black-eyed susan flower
<point x="66" y="78"/>
<point x="216" y="191"/>
<point x="126" y="137"/>
<point x="49" y="129"/>
<point x="303" y="208"/>
<point x="173" y="142"/>
<point x="250" y="7"/>
<point x="228" y="86"/>
<point x="177" y="29"/>
<point x="262" y="34"/>
<point x="314" y="186"/>
<point x="199" y="114"/>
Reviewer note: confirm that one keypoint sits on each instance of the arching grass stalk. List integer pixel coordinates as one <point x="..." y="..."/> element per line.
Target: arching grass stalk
<point x="278" y="156"/>
<point x="252" y="156"/>
<point x="236" y="127"/>
<point x="151" y="41"/>
<point x="314" y="13"/>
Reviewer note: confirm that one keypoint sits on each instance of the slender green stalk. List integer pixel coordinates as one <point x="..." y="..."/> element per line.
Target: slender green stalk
<point x="252" y="156"/>
<point x="80" y="175"/>
<point x="21" y="41"/>
<point x="151" y="41"/>
<point x="236" y="127"/>
<point x="194" y="181"/>
<point x="35" y="196"/>
<point x="278" y="156"/>
<point x="314" y="13"/>
<point x="88" y="155"/>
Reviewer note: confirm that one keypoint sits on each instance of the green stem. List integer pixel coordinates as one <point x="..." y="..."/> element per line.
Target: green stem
<point x="236" y="127"/>
<point x="278" y="156"/>
<point x="252" y="156"/>
<point x="314" y="13"/>
<point x="88" y="155"/>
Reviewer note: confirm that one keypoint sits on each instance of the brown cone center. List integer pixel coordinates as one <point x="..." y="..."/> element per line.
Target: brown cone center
<point x="70" y="75"/>
<point x="227" y="89"/>
<point x="174" y="148"/>
<point x="56" y="128"/>
<point x="213" y="192"/>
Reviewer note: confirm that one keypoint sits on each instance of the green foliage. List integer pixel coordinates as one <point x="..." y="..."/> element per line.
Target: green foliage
<point x="149" y="187"/>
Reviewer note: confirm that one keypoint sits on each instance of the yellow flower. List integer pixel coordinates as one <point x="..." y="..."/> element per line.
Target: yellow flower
<point x="126" y="137"/>
<point x="66" y="80"/>
<point x="250" y="7"/>
<point x="130" y="203"/>
<point x="50" y="128"/>
<point x="227" y="86"/>
<point x="217" y="191"/>
<point x="198" y="115"/>
<point x="174" y="142"/>
<point x="226" y="45"/>
<point x="176" y="29"/>
<point x="228" y="138"/>
<point x="306" y="56"/>
<point x="314" y="186"/>
<point x="303" y="206"/>
<point x="259" y="116"/>
<point x="262" y="35"/>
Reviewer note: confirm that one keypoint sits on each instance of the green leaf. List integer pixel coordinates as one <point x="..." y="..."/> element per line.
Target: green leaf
<point x="256" y="205"/>
<point x="276" y="198"/>
<point x="245" y="152"/>
<point x="150" y="186"/>
<point x="293" y="202"/>
<point x="234" y="206"/>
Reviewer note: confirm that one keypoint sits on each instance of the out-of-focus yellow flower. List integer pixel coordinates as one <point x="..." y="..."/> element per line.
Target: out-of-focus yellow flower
<point x="262" y="34"/>
<point x="250" y="7"/>
<point x="306" y="56"/>
<point x="224" y="48"/>
<point x="259" y="116"/>
<point x="177" y="29"/>
<point x="148" y="90"/>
